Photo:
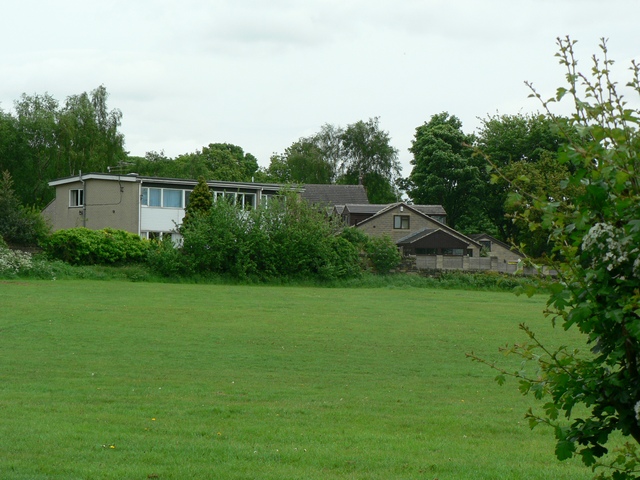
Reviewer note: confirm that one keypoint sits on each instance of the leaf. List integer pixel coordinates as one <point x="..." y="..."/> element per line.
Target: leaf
<point x="500" y="379"/>
<point x="565" y="449"/>
<point x="560" y="92"/>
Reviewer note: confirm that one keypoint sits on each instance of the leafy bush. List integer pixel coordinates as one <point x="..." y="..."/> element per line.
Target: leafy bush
<point x="289" y="239"/>
<point x="81" y="246"/>
<point x="167" y="260"/>
<point x="383" y="254"/>
<point x="20" y="225"/>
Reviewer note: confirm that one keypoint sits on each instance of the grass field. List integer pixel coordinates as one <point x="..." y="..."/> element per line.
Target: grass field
<point x="120" y="380"/>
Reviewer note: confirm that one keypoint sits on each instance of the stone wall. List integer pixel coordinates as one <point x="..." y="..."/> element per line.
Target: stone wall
<point x="471" y="264"/>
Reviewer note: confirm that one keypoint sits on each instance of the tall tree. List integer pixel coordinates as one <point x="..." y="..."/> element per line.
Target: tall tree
<point x="513" y="139"/>
<point x="444" y="170"/>
<point x="302" y="162"/>
<point x="360" y="153"/>
<point x="45" y="141"/>
<point x="369" y="158"/>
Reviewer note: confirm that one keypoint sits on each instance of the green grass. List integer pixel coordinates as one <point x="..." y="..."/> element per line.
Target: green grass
<point x="237" y="382"/>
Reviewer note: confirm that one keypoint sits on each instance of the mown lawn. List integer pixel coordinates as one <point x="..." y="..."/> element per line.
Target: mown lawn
<point x="119" y="380"/>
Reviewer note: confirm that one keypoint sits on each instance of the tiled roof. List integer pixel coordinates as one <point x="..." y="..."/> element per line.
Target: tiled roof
<point x="335" y="194"/>
<point x="370" y="208"/>
<point x="430" y="209"/>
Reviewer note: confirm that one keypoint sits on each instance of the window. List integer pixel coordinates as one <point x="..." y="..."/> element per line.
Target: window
<point x="155" y="197"/>
<point x="76" y="198"/>
<point x="246" y="200"/>
<point x="453" y="251"/>
<point x="171" y="198"/>
<point x="426" y="251"/>
<point x="158" y="197"/>
<point x="486" y="245"/>
<point x="401" y="222"/>
<point x="187" y="195"/>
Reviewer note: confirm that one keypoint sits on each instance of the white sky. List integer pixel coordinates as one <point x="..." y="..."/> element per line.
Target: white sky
<point x="261" y="74"/>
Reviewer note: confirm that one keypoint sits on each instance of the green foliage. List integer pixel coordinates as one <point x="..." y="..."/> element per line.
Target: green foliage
<point x="590" y="395"/>
<point x="19" y="225"/>
<point x="444" y="170"/>
<point x="81" y="246"/>
<point x="383" y="254"/>
<point x="302" y="162"/>
<point x="167" y="260"/>
<point x="525" y="149"/>
<point x="45" y="140"/>
<point x="359" y="153"/>
<point x="200" y="201"/>
<point x="287" y="239"/>
<point x="369" y="156"/>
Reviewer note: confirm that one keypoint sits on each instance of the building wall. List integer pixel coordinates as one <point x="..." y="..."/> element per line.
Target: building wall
<point x="383" y="224"/>
<point x="107" y="203"/>
<point x="504" y="253"/>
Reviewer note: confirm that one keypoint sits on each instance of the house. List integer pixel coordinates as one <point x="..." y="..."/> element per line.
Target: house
<point x="415" y="231"/>
<point x="493" y="247"/>
<point x="152" y="207"/>
<point x="353" y="214"/>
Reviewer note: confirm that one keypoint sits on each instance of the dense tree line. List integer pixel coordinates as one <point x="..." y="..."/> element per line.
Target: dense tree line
<point x="44" y="140"/>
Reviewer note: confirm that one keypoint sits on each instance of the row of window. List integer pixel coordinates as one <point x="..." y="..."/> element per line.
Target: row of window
<point x="175" y="198"/>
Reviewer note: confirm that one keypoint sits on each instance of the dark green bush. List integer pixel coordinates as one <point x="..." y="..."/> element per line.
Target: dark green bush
<point x="383" y="254"/>
<point x="289" y="239"/>
<point x="20" y="225"/>
<point x="81" y="246"/>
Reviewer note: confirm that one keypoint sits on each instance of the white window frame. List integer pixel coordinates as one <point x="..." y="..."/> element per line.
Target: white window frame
<point x="76" y="197"/>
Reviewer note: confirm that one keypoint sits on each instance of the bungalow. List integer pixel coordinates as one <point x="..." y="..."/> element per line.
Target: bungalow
<point x="416" y="229"/>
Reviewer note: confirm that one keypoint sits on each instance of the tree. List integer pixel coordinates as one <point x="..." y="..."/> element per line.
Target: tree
<point x="219" y="161"/>
<point x="302" y="162"/>
<point x="45" y="141"/>
<point x="361" y="153"/>
<point x="370" y="159"/>
<point x="595" y="235"/>
<point x="200" y="201"/>
<point x="444" y="172"/>
<point x="523" y="140"/>
<point x="19" y="225"/>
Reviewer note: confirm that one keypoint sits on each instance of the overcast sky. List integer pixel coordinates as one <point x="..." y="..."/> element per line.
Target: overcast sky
<point x="262" y="74"/>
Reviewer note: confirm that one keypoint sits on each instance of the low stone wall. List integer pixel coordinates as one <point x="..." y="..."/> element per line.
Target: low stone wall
<point x="476" y="264"/>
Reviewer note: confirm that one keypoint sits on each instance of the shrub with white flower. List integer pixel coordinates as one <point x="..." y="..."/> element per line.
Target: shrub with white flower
<point x="12" y="262"/>
<point x="605" y="245"/>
